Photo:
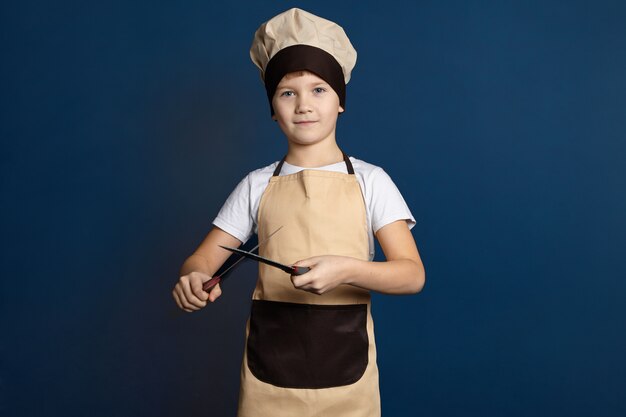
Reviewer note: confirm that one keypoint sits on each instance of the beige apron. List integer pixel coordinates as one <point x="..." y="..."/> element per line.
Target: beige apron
<point x="306" y="354"/>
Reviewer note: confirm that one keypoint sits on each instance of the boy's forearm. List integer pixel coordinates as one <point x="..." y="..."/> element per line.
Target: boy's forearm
<point x="400" y="276"/>
<point x="196" y="263"/>
<point x="209" y="257"/>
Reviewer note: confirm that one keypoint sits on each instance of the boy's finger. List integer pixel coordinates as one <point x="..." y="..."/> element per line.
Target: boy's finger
<point x="179" y="302"/>
<point x="180" y="297"/>
<point x="189" y="296"/>
<point x="196" y="287"/>
<point x="300" y="281"/>
<point x="176" y="298"/>
<point x="215" y="293"/>
<point x="309" y="262"/>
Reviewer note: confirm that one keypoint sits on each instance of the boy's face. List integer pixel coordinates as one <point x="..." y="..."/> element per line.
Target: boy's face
<point x="306" y="108"/>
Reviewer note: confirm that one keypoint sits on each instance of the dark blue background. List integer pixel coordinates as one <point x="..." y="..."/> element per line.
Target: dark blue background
<point x="125" y="125"/>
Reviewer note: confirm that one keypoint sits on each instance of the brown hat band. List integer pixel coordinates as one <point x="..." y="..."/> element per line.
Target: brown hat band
<point x="304" y="58"/>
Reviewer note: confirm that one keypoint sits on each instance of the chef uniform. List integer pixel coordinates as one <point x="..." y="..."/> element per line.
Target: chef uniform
<point x="307" y="354"/>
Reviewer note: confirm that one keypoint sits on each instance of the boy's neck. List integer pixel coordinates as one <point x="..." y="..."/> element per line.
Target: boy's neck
<point x="314" y="156"/>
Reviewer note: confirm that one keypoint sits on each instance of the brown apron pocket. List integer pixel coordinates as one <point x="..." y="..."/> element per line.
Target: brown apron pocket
<point x="307" y="345"/>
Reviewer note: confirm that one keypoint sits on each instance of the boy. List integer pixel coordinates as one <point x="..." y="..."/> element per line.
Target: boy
<point x="310" y="348"/>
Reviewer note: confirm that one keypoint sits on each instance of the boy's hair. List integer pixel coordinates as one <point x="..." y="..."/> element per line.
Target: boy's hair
<point x="294" y="74"/>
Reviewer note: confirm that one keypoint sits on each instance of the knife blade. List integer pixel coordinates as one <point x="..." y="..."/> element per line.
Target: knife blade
<point x="208" y="286"/>
<point x="290" y="269"/>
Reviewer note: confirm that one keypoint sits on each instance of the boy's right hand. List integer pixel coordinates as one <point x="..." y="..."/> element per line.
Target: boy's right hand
<point x="189" y="294"/>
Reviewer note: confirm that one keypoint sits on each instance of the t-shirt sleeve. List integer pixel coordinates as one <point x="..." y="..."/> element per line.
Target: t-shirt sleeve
<point x="235" y="215"/>
<point x="387" y="204"/>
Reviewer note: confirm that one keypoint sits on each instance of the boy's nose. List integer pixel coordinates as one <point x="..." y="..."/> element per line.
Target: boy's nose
<point x="303" y="106"/>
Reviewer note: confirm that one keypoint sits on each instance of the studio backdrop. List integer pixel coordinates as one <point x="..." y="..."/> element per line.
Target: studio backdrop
<point x="125" y="125"/>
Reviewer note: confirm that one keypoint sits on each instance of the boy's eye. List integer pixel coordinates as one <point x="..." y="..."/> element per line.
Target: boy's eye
<point x="319" y="90"/>
<point x="287" y="93"/>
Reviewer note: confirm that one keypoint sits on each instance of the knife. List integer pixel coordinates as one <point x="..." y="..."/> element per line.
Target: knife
<point x="290" y="269"/>
<point x="208" y="286"/>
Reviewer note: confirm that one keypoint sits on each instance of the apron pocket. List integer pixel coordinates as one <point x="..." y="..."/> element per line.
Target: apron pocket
<point x="307" y="345"/>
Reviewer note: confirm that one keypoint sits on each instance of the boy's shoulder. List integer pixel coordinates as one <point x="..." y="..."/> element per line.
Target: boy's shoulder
<point x="264" y="170"/>
<point x="373" y="178"/>
<point x="260" y="175"/>
<point x="364" y="167"/>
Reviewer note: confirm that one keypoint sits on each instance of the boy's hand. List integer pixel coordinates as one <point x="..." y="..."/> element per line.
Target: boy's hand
<point x="189" y="294"/>
<point x="327" y="272"/>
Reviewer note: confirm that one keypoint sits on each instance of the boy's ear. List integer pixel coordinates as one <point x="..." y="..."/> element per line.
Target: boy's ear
<point x="341" y="110"/>
<point x="274" y="117"/>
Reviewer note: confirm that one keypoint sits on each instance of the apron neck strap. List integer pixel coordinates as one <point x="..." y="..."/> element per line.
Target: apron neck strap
<point x="346" y="159"/>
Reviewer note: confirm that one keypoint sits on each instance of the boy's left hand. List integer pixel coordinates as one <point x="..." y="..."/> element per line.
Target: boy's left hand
<point x="327" y="272"/>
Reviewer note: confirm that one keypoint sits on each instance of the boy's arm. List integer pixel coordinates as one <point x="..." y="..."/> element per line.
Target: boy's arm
<point x="199" y="268"/>
<point x="402" y="273"/>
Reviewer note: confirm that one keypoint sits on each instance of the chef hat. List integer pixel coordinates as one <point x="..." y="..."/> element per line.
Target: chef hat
<point x="297" y="40"/>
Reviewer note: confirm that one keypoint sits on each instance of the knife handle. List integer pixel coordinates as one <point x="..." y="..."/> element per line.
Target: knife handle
<point x="299" y="270"/>
<point x="208" y="286"/>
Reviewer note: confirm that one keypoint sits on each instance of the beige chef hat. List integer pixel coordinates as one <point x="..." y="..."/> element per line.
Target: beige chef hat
<point x="297" y="40"/>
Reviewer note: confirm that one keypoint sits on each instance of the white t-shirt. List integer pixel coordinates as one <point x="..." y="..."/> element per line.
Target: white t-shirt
<point x="383" y="202"/>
